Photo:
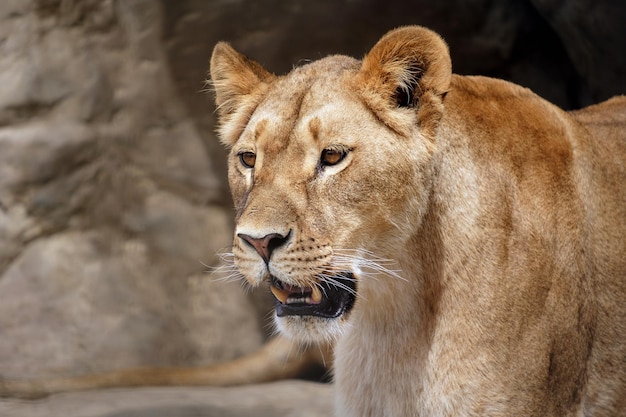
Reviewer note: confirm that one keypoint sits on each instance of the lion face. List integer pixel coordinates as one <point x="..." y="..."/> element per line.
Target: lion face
<point x="318" y="190"/>
<point x="319" y="171"/>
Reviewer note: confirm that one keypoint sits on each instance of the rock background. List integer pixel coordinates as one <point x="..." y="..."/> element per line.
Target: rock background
<point x="113" y="197"/>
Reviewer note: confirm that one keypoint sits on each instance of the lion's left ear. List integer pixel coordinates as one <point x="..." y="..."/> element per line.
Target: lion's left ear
<point x="409" y="68"/>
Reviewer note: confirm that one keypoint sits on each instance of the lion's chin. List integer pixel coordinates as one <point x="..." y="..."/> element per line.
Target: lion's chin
<point x="311" y="329"/>
<point x="317" y="313"/>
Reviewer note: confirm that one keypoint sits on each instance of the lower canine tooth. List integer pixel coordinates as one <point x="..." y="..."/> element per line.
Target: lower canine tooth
<point x="316" y="294"/>
<point x="279" y="294"/>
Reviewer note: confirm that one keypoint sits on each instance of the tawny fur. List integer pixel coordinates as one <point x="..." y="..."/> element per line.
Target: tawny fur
<point x="505" y="216"/>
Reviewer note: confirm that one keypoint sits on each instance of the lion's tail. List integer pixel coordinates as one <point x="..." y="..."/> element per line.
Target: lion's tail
<point x="280" y="358"/>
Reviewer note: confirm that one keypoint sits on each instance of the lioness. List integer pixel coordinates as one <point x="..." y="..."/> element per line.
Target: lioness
<point x="461" y="240"/>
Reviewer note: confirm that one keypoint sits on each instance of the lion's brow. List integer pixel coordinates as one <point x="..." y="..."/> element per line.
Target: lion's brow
<point x="260" y="129"/>
<point x="315" y="126"/>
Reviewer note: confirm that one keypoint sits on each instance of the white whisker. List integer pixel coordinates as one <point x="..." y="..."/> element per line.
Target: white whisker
<point x="321" y="287"/>
<point x="226" y="271"/>
<point x="368" y="263"/>
<point x="333" y="280"/>
<point x="319" y="347"/>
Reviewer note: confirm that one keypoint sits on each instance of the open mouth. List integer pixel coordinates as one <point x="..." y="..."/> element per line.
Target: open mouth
<point x="331" y="298"/>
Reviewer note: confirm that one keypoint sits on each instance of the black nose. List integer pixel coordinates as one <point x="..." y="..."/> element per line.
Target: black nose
<point x="265" y="245"/>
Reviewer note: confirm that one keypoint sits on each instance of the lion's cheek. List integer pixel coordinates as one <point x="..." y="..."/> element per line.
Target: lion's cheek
<point x="366" y="212"/>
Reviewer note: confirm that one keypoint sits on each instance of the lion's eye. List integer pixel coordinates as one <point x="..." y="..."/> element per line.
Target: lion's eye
<point x="247" y="159"/>
<point x="332" y="156"/>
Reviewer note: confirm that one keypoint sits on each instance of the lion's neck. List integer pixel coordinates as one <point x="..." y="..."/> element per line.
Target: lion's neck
<point x="395" y="337"/>
<point x="386" y="349"/>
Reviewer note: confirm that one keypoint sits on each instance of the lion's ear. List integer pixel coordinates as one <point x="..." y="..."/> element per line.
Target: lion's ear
<point x="409" y="67"/>
<point x="238" y="83"/>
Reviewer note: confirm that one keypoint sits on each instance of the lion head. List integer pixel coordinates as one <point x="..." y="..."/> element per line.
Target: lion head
<point x="318" y="168"/>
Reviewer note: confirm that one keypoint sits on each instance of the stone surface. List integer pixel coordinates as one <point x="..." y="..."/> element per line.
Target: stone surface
<point x="111" y="306"/>
<point x="110" y="209"/>
<point x="286" y="398"/>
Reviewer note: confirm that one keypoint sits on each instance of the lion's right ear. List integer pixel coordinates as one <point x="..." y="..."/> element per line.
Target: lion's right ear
<point x="238" y="82"/>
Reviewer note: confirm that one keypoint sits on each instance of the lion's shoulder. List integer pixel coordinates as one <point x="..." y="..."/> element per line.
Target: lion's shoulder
<point x="488" y="104"/>
<point x="482" y="87"/>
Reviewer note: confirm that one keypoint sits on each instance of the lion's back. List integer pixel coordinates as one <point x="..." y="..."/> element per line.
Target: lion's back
<point x="606" y="122"/>
<point x="601" y="177"/>
<point x="603" y="191"/>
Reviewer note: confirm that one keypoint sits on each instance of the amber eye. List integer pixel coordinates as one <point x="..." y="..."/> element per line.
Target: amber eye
<point x="247" y="159"/>
<point x="332" y="156"/>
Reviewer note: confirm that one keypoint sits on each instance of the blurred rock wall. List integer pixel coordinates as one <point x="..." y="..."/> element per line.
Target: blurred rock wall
<point x="110" y="206"/>
<point x="112" y="186"/>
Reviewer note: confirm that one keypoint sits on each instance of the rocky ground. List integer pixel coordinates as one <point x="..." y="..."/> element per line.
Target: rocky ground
<point x="280" y="399"/>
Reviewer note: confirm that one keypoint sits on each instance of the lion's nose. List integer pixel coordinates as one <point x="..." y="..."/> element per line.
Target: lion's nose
<point x="265" y="245"/>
